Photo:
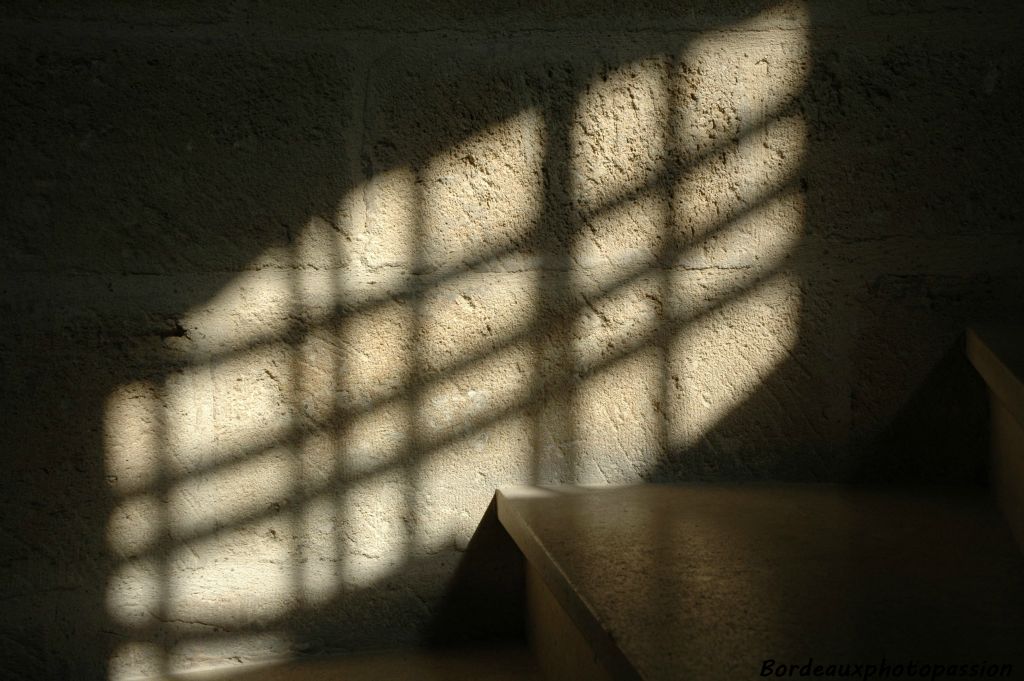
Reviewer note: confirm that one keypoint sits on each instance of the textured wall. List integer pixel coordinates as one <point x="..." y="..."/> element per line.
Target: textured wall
<point x="285" y="297"/>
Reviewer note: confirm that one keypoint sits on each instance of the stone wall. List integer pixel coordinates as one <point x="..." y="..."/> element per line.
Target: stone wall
<point x="285" y="297"/>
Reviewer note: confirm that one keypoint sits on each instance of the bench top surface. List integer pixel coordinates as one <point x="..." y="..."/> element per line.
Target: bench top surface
<point x="709" y="581"/>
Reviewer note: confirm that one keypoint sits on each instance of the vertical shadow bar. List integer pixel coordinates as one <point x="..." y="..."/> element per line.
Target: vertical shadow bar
<point x="417" y="443"/>
<point x="554" y="381"/>
<point x="296" y="488"/>
<point x="163" y="530"/>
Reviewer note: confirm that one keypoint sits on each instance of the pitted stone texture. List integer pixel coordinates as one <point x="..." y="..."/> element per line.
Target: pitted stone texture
<point x="407" y="16"/>
<point x="286" y="295"/>
<point x="222" y="147"/>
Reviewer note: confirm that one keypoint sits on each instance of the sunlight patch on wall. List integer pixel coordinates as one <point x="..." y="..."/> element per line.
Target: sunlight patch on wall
<point x="227" y="651"/>
<point x="385" y="243"/>
<point x="376" y="351"/>
<point x="619" y="414"/>
<point x="742" y="213"/>
<point x="469" y="469"/>
<point x="617" y="405"/>
<point x="252" y="488"/>
<point x="619" y="148"/>
<point x="219" y="412"/>
<point x="318" y="571"/>
<point x="627" y="233"/>
<point x="132" y="425"/>
<point x="132" y="529"/>
<point x="469" y="316"/>
<point x="747" y="207"/>
<point x="688" y="170"/>
<point x="376" y="439"/>
<point x="320" y="246"/>
<point x="757" y="241"/>
<point x="238" y="576"/>
<point x="481" y="197"/>
<point x="327" y="427"/>
<point x="728" y="352"/>
<point x="253" y="306"/>
<point x="377" y="528"/>
<point x="619" y="137"/>
<point x="134" y="593"/>
<point x="740" y="129"/>
<point x="458" y="404"/>
<point x="134" y="659"/>
<point x="615" y="317"/>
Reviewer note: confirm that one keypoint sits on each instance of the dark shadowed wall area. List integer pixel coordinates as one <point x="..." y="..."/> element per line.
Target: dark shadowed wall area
<point x="287" y="294"/>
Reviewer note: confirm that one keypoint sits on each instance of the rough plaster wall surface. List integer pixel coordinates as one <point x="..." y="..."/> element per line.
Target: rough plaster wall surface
<point x="287" y="296"/>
